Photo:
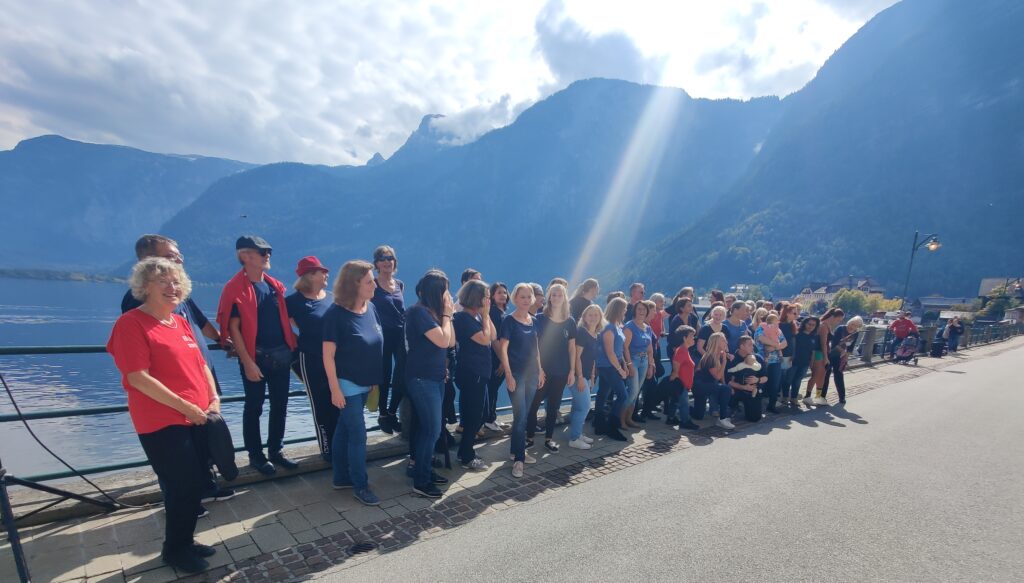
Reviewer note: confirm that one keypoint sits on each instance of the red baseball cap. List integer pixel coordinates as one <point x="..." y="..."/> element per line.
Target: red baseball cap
<point x="308" y="264"/>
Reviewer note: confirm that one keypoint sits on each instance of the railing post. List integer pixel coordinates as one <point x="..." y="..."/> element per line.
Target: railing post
<point x="927" y="337"/>
<point x="966" y="338"/>
<point x="867" y="346"/>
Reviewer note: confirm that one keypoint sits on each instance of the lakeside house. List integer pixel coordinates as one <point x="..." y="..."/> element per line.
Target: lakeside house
<point x="826" y="291"/>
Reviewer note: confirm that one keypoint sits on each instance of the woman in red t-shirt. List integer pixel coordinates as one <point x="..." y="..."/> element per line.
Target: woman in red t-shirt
<point x="170" y="391"/>
<point x="682" y="373"/>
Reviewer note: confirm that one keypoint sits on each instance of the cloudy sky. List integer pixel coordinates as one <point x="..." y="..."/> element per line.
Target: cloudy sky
<point x="329" y="81"/>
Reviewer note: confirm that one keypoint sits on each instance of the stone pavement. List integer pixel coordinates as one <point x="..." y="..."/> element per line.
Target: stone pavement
<point x="295" y="528"/>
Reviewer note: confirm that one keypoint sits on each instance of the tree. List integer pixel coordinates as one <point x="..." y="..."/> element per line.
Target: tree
<point x="851" y="301"/>
<point x="999" y="300"/>
<point x="818" y="307"/>
<point x="877" y="303"/>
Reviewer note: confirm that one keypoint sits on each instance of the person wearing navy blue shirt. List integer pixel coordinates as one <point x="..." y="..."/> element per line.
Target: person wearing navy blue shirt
<point x="353" y="355"/>
<point x="745" y="375"/>
<point x="389" y="299"/>
<point x="306" y="309"/>
<point x="428" y="334"/>
<point x="612" y="372"/>
<point x="499" y="303"/>
<point x="639" y="354"/>
<point x="556" y="335"/>
<point x="520" y="360"/>
<point x="474" y="334"/>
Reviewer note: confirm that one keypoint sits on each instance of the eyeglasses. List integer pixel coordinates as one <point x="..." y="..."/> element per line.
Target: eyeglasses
<point x="265" y="252"/>
<point x="175" y="257"/>
<point x="386" y="258"/>
<point x="169" y="283"/>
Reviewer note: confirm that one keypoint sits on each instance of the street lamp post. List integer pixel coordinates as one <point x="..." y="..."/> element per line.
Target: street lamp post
<point x="932" y="242"/>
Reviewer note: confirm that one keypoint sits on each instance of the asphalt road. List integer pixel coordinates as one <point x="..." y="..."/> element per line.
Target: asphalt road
<point x="919" y="481"/>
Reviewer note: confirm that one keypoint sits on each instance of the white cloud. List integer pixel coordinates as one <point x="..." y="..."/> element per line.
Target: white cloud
<point x="328" y="82"/>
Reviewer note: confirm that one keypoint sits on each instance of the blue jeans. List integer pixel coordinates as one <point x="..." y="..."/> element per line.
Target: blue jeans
<point x="580" y="407"/>
<point x="522" y="398"/>
<point x="613" y="387"/>
<point x="684" y="406"/>
<point x="796" y="378"/>
<point x="426" y="396"/>
<point x="640" y="364"/>
<point x="774" y="373"/>
<point x="717" y="393"/>
<point x="348" y="447"/>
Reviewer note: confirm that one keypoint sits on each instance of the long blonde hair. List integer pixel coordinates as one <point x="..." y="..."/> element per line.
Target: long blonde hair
<point x="346" y="287"/>
<point x="711" y="350"/>
<point x="615" y="313"/>
<point x="563" y="311"/>
<point x="600" y="319"/>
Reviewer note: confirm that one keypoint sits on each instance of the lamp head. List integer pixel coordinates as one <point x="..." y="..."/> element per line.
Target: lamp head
<point x="934" y="244"/>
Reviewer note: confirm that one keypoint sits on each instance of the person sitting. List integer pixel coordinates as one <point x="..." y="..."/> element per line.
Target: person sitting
<point x="745" y="374"/>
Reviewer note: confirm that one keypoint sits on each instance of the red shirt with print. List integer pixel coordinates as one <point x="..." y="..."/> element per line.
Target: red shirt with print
<point x="902" y="328"/>
<point x="684" y="363"/>
<point x="170" y="354"/>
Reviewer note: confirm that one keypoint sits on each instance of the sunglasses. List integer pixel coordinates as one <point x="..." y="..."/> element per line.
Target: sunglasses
<point x="265" y="252"/>
<point x="386" y="258"/>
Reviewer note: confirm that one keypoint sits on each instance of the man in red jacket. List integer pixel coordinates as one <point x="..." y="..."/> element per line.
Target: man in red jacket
<point x="253" y="311"/>
<point x="901" y="328"/>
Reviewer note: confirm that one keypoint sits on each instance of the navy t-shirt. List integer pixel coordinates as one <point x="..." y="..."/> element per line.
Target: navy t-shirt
<point x="554" y="340"/>
<point x="268" y="320"/>
<point x="522" y="345"/>
<point x="736" y="370"/>
<point x="472" y="357"/>
<point x="735" y="333"/>
<point x="425" y="360"/>
<point x="390" y="306"/>
<point x="590" y="345"/>
<point x="359" y="340"/>
<point x="309" y="317"/>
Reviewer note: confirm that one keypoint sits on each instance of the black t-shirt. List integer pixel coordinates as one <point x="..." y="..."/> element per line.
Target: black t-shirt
<point x="804" y="347"/>
<point x="496" y="316"/>
<point x="390" y="306"/>
<point x="737" y="370"/>
<point x="703" y="375"/>
<point x="425" y="360"/>
<point x="590" y="345"/>
<point x="789" y="333"/>
<point x="309" y="317"/>
<point x="522" y="344"/>
<point x="359" y="340"/>
<point x="705" y="333"/>
<point x="269" y="333"/>
<point x="675" y="339"/>
<point x="577" y="305"/>
<point x="472" y="357"/>
<point x="554" y="340"/>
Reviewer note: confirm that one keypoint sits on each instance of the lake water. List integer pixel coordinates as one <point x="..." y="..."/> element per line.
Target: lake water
<point x="47" y="313"/>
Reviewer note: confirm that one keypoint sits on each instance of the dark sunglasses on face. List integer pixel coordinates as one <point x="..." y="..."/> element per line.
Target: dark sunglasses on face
<point x="265" y="252"/>
<point x="386" y="258"/>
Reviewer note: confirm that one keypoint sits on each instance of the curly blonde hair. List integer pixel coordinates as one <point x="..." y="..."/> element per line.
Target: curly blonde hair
<point x="150" y="268"/>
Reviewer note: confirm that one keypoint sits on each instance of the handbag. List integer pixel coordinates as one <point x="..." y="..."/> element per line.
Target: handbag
<point x="275" y="358"/>
<point x="373" y="398"/>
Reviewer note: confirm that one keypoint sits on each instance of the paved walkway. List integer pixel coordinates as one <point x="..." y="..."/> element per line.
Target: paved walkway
<point x="295" y="528"/>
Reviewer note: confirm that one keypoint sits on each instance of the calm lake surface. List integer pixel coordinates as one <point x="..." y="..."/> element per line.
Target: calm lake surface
<point x="48" y="313"/>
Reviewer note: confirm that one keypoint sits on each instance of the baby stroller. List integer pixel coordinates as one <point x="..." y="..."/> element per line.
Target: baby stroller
<point x="907" y="350"/>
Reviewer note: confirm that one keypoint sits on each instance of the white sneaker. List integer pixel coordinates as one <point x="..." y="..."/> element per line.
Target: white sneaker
<point x="808" y="400"/>
<point x="725" y="423"/>
<point x="492" y="426"/>
<point x="529" y="458"/>
<point x="587" y="439"/>
<point x="504" y="426"/>
<point x="579" y="444"/>
<point x="819" y="401"/>
<point x="517" y="470"/>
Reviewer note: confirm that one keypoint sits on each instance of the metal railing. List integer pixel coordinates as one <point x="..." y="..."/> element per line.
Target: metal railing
<point x="874" y="337"/>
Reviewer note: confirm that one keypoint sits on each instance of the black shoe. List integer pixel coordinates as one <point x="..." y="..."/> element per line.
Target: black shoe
<point x="616" y="435"/>
<point x="218" y="495"/>
<point x="689" y="425"/>
<point x="386" y="424"/>
<point x="529" y="442"/>
<point x="637" y="418"/>
<point x="279" y="459"/>
<point x="202" y="512"/>
<point x="551" y="445"/>
<point x="396" y="424"/>
<point x="436" y="478"/>
<point x="201" y="550"/>
<point x="672" y="421"/>
<point x="429" y="491"/>
<point x="264" y="467"/>
<point x="185" y="560"/>
<point x="652" y="416"/>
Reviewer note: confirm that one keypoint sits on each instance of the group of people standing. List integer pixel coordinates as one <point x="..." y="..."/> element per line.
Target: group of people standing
<point x="356" y="345"/>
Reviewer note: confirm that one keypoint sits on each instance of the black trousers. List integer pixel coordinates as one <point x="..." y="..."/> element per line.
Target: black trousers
<point x="472" y="397"/>
<point x="310" y="370"/>
<point x="178" y="455"/>
<point x="835" y="369"/>
<point x="394" y="371"/>
<point x="275" y="382"/>
<point x="551" y="392"/>
<point x="491" y="408"/>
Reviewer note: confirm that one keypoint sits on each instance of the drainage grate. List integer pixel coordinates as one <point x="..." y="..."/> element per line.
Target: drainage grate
<point x="363" y="547"/>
